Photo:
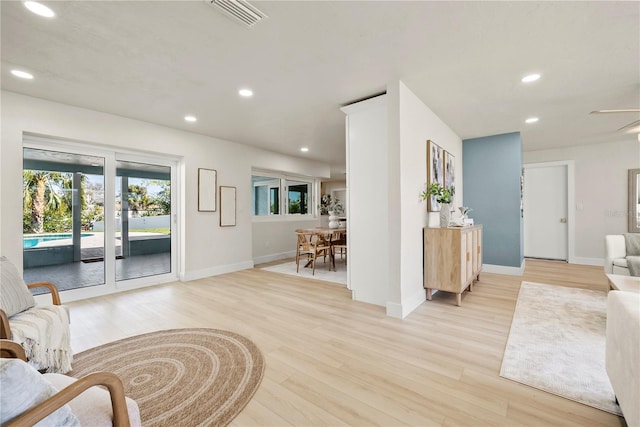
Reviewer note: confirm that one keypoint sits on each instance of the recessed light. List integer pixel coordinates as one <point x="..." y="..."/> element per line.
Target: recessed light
<point x="39" y="9"/>
<point x="245" y="92"/>
<point x="530" y="78"/>
<point x="22" y="74"/>
<point x="190" y="118"/>
<point x="531" y="120"/>
<point x="304" y="149"/>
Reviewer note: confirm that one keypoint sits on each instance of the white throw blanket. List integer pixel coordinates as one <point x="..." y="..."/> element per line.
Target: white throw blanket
<point x="43" y="332"/>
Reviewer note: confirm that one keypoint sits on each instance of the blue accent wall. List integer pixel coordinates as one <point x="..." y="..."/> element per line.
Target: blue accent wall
<point x="491" y="182"/>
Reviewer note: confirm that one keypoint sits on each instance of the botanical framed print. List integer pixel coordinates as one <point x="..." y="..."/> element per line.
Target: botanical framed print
<point x="207" y="181"/>
<point x="449" y="170"/>
<point x="227" y="206"/>
<point x="435" y="171"/>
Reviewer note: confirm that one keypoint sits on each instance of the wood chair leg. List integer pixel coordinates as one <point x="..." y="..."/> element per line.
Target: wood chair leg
<point x="332" y="256"/>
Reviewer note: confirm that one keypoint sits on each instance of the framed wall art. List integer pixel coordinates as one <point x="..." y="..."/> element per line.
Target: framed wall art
<point x="207" y="182"/>
<point x="634" y="200"/>
<point x="435" y="171"/>
<point x="227" y="206"/>
<point x="449" y="170"/>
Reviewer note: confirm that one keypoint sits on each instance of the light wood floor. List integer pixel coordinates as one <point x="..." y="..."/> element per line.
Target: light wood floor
<point x="332" y="361"/>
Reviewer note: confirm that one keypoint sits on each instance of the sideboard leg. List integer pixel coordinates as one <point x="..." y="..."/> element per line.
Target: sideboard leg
<point x="428" y="294"/>
<point x="458" y="300"/>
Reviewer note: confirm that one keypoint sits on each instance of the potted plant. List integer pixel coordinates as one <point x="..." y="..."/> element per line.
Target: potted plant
<point x="444" y="196"/>
<point x="329" y="204"/>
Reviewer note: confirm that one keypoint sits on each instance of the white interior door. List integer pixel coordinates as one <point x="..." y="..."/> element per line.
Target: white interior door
<point x="545" y="212"/>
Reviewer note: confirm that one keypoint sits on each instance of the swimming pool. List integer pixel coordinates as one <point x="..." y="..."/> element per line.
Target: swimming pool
<point x="33" y="241"/>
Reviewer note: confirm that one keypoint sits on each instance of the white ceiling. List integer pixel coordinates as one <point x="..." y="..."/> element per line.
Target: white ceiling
<point x="159" y="60"/>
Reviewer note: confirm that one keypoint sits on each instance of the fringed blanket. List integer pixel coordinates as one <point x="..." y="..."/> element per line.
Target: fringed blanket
<point x="632" y="243"/>
<point x="43" y="332"/>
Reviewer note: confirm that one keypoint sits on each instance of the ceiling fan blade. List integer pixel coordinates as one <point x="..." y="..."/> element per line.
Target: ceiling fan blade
<point x="632" y="110"/>
<point x="630" y="127"/>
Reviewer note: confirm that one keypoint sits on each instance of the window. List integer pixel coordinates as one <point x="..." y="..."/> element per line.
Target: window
<point x="267" y="189"/>
<point x="274" y="197"/>
<point x="298" y="194"/>
<point x="266" y="195"/>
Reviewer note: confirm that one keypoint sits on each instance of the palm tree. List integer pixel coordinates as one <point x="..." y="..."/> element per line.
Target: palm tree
<point x="138" y="198"/>
<point x="39" y="194"/>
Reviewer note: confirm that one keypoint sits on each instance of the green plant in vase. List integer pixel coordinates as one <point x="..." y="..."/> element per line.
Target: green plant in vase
<point x="444" y="196"/>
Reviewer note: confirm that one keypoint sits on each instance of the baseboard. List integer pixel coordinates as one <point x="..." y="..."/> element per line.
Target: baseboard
<point x="215" y="271"/>
<point x="588" y="261"/>
<point x="400" y="311"/>
<point x="274" y="257"/>
<point x="394" y="310"/>
<point x="503" y="269"/>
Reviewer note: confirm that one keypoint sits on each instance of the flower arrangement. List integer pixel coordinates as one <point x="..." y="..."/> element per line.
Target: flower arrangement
<point x="328" y="203"/>
<point x="442" y="195"/>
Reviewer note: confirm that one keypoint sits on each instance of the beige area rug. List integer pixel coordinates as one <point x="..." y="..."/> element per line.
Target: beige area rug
<point x="181" y="377"/>
<point x="557" y="344"/>
<point x="322" y="270"/>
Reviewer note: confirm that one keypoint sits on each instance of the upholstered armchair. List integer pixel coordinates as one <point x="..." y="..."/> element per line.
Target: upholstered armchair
<point x="42" y="330"/>
<point x="29" y="397"/>
<point x="615" y="261"/>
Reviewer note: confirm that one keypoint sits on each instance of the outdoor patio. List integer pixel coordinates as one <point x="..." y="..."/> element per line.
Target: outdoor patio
<point x="90" y="271"/>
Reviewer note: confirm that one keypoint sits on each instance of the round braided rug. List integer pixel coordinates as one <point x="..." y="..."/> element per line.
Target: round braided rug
<point x="181" y="377"/>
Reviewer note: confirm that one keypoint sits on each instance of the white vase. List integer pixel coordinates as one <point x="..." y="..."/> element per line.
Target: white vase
<point x="445" y="214"/>
<point x="334" y="222"/>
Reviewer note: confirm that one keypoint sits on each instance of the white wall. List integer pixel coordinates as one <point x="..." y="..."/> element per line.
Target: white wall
<point x="273" y="240"/>
<point x="417" y="124"/>
<point x="206" y="248"/>
<point x="386" y="172"/>
<point x="368" y="204"/>
<point x="328" y="186"/>
<point x="600" y="191"/>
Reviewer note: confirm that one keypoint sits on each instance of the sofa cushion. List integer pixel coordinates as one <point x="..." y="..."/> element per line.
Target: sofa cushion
<point x="93" y="406"/>
<point x="23" y="388"/>
<point x="623" y="351"/>
<point x="620" y="262"/>
<point x="14" y="294"/>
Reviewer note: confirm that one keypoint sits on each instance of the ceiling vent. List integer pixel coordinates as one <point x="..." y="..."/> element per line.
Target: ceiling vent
<point x="239" y="10"/>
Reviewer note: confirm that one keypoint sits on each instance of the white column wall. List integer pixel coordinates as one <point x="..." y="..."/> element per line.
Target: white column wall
<point x="368" y="211"/>
<point x="417" y="124"/>
<point x="386" y="172"/>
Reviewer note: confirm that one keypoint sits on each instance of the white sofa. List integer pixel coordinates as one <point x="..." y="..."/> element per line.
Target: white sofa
<point x="623" y="352"/>
<point x="615" y="261"/>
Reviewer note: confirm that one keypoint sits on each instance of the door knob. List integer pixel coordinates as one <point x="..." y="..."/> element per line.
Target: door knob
<point x="563" y="220"/>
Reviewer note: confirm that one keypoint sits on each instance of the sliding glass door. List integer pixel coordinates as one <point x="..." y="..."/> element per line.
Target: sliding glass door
<point x="143" y="219"/>
<point x="63" y="198"/>
<point x="96" y="218"/>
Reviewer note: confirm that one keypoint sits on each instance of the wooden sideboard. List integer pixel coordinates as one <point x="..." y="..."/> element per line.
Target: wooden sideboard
<point x="452" y="259"/>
